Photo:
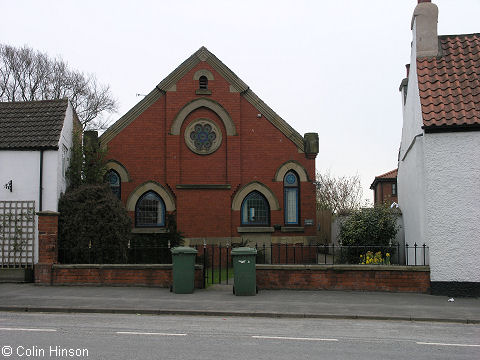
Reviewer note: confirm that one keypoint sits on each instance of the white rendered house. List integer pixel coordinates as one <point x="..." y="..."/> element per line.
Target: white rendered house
<point x="35" y="141"/>
<point x="439" y="156"/>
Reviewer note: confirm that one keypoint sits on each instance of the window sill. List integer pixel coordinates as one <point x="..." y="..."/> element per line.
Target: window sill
<point x="157" y="230"/>
<point x="289" y="229"/>
<point x="255" y="229"/>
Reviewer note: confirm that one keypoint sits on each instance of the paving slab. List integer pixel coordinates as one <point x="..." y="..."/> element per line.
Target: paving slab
<point x="219" y="300"/>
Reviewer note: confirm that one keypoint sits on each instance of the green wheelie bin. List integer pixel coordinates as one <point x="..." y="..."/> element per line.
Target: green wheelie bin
<point x="244" y="281"/>
<point x="183" y="259"/>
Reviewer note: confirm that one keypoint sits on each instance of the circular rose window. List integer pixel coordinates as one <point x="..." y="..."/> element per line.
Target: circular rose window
<point x="203" y="137"/>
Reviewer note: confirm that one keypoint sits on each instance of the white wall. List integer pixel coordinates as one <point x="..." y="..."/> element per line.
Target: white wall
<point x="452" y="165"/>
<point x="23" y="168"/>
<point x="411" y="168"/>
<point x="67" y="141"/>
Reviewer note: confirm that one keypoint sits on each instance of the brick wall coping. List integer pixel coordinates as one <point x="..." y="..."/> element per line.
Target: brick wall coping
<point x="117" y="266"/>
<point x="345" y="267"/>
<point x="48" y="213"/>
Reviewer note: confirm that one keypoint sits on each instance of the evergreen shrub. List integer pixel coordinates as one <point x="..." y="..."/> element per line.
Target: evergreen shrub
<point x="94" y="227"/>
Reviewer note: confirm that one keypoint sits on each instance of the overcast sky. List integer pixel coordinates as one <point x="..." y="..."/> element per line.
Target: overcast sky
<point x="332" y="67"/>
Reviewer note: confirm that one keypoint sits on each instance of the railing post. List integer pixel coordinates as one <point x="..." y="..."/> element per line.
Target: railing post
<point x="204" y="264"/>
<point x="415" y="247"/>
<point x="398" y="253"/>
<point x="325" y="252"/>
<point x="227" y="261"/>
<point x="424" y="246"/>
<point x="406" y="253"/>
<point x="219" y="263"/>
<point x="286" y="253"/>
<point x="333" y="253"/>
<point x="264" y="254"/>
<point x="213" y="263"/>
<point x="294" y="251"/>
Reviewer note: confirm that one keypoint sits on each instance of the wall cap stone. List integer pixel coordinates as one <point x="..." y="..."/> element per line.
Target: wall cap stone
<point x="47" y="213"/>
<point x="117" y="266"/>
<point x="345" y="267"/>
<point x="255" y="229"/>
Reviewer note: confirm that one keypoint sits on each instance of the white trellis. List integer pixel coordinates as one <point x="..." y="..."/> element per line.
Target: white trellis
<point x="17" y="234"/>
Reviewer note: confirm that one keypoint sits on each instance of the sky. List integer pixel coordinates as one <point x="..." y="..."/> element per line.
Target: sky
<point x="331" y="67"/>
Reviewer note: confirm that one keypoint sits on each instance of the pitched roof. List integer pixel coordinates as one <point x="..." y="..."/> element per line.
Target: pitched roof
<point x="31" y="124"/>
<point x="388" y="176"/>
<point x="203" y="54"/>
<point x="449" y="84"/>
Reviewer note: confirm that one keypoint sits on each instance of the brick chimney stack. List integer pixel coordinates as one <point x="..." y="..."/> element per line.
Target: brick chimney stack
<point x="424" y="24"/>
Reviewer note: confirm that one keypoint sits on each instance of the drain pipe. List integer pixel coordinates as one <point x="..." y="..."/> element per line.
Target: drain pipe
<point x="40" y="196"/>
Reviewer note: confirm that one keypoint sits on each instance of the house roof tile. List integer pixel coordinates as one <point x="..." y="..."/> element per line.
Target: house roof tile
<point x="31" y="124"/>
<point x="449" y="84"/>
<point x="388" y="176"/>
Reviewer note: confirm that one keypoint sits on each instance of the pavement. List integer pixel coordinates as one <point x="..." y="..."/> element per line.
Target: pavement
<point x="218" y="300"/>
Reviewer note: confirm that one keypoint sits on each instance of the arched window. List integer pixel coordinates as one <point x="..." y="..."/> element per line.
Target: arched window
<point x="255" y="209"/>
<point x="150" y="210"/>
<point x="203" y="82"/>
<point x="290" y="186"/>
<point x="114" y="182"/>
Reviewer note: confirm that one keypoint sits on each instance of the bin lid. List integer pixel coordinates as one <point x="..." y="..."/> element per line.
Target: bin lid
<point x="183" y="250"/>
<point x="244" y="251"/>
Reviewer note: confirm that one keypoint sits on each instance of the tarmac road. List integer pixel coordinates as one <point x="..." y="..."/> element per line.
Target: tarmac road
<point x="120" y="336"/>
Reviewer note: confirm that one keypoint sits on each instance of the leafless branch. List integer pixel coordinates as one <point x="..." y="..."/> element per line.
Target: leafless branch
<point x="26" y="75"/>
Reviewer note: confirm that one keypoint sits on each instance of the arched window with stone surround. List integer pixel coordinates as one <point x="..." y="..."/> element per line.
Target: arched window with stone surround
<point x="255" y="210"/>
<point x="113" y="180"/>
<point x="291" y="196"/>
<point x="150" y="210"/>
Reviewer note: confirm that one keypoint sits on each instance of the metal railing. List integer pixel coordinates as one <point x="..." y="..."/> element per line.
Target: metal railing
<point x="218" y="257"/>
<point x="284" y="254"/>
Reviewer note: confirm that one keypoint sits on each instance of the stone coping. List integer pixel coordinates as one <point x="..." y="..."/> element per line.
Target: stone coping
<point x="204" y="186"/>
<point x="344" y="267"/>
<point x="255" y="229"/>
<point x="47" y="213"/>
<point x="118" y="266"/>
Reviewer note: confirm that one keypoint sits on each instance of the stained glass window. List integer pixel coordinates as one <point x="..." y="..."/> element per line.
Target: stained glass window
<point x="113" y="180"/>
<point x="290" y="185"/>
<point x="203" y="136"/>
<point x="150" y="210"/>
<point x="255" y="209"/>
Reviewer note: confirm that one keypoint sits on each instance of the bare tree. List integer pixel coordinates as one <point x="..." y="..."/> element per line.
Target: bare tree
<point x="338" y="194"/>
<point x="26" y="75"/>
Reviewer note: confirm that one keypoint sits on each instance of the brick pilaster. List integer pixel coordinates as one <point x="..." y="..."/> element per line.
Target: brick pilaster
<point x="47" y="246"/>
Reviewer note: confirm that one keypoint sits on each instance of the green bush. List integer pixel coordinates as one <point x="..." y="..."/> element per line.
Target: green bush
<point x="94" y="226"/>
<point x="372" y="228"/>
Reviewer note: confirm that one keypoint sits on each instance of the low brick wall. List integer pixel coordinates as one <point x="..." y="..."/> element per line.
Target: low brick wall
<point x="110" y="274"/>
<point x="344" y="277"/>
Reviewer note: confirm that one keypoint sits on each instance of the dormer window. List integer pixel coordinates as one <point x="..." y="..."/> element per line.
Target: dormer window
<point x="203" y="83"/>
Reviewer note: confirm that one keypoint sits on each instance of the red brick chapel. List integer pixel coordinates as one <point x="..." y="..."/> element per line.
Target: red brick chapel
<point x="204" y="147"/>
